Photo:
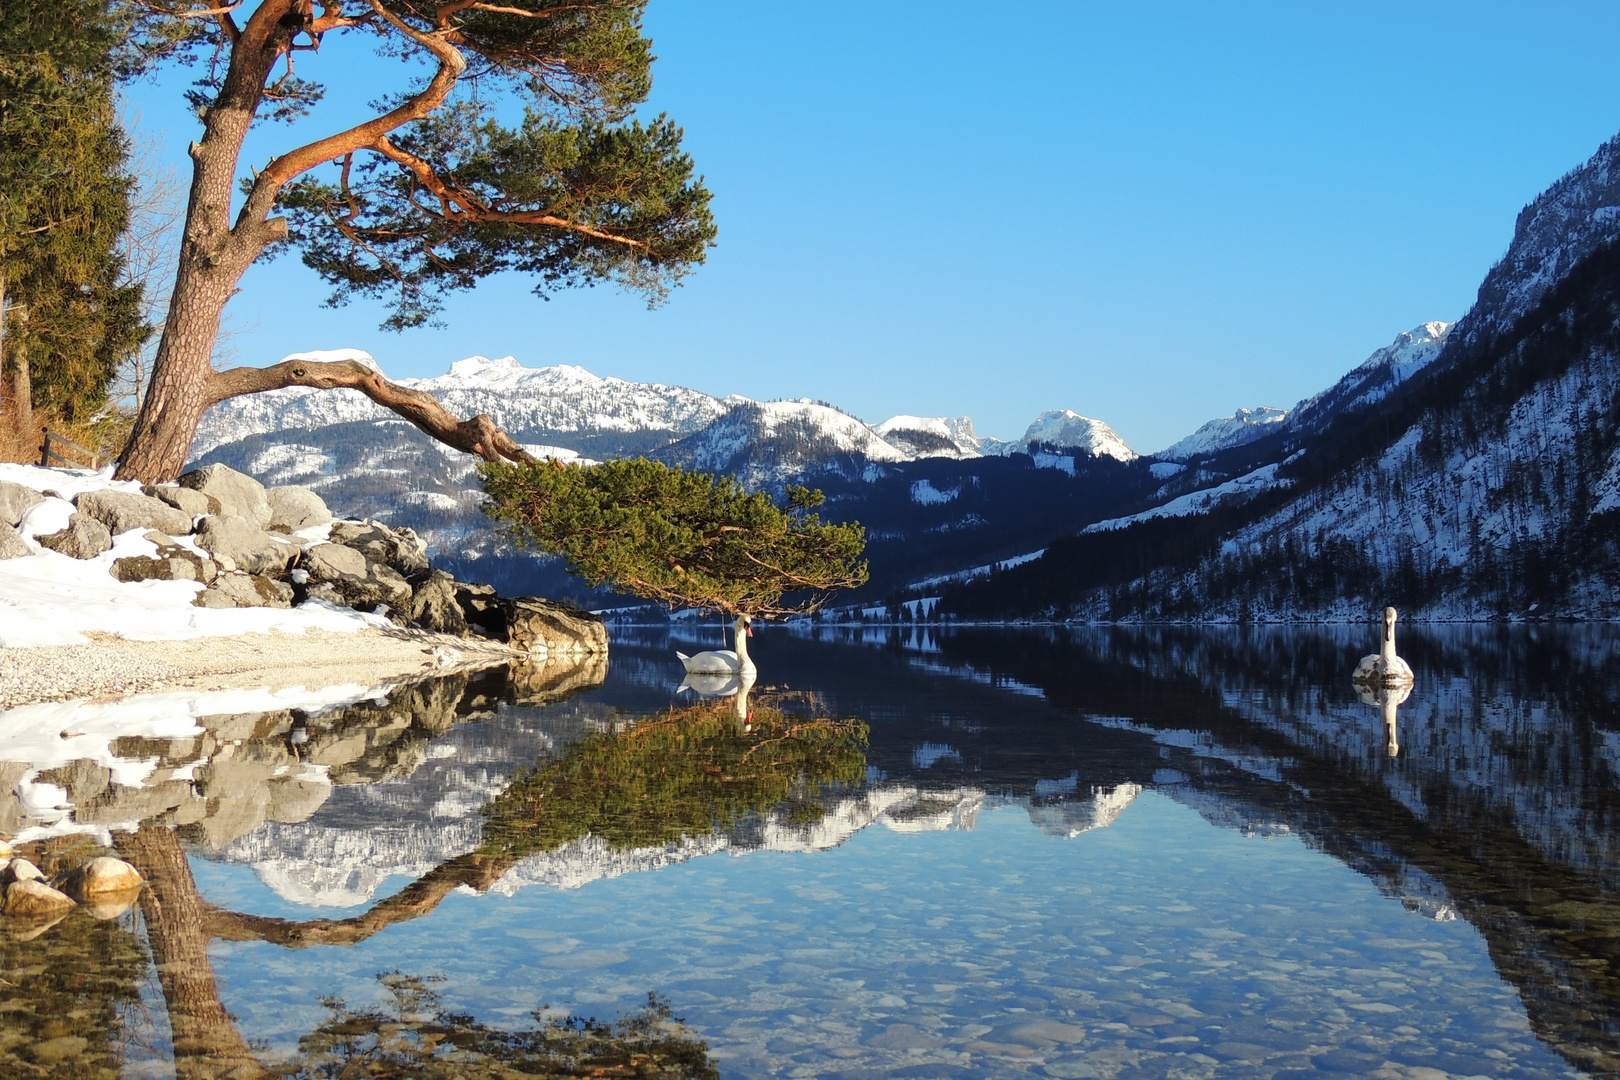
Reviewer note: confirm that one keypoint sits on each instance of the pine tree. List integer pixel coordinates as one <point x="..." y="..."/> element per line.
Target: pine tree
<point x="429" y="195"/>
<point x="685" y="539"/>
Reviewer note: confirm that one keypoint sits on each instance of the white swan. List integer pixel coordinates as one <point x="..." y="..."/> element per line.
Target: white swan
<point x="724" y="661"/>
<point x="1384" y="668"/>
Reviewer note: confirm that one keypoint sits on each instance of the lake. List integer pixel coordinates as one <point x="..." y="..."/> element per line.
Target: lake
<point x="1077" y="852"/>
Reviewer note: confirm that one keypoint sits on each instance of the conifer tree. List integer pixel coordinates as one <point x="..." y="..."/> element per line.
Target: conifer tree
<point x="683" y="539"/>
<point x="430" y="194"/>
<point x="72" y="317"/>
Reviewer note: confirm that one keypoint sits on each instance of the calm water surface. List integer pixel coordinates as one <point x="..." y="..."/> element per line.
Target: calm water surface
<point x="1079" y="853"/>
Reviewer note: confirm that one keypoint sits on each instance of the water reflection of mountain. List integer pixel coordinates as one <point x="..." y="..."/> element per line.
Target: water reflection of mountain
<point x="1502" y="808"/>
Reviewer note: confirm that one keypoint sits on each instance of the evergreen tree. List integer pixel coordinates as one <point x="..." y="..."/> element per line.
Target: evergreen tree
<point x="685" y="539"/>
<point x="72" y="317"/>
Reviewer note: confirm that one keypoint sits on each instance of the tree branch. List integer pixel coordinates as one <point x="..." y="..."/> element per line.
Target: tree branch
<point x="284" y="168"/>
<point x="479" y="435"/>
<point x="471" y="210"/>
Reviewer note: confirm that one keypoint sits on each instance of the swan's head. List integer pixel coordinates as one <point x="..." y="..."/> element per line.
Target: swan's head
<point x="745" y="625"/>
<point x="1389" y="621"/>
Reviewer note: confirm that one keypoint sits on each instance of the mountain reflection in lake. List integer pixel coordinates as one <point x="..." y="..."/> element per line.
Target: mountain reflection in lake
<point x="1100" y="852"/>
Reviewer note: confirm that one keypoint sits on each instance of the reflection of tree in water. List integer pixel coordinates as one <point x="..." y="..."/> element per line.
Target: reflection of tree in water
<point x="685" y="773"/>
<point x="416" y="1037"/>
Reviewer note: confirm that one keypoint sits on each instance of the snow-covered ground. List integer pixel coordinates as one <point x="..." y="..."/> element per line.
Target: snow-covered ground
<point x="47" y="598"/>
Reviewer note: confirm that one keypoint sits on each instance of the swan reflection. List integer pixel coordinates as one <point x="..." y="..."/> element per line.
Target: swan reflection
<point x="733" y="685"/>
<point x="1388" y="699"/>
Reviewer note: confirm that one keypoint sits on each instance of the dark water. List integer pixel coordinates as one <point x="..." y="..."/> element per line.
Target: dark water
<point x="1109" y="852"/>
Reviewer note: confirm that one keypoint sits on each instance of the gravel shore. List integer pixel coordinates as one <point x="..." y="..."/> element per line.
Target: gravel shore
<point x="113" y="667"/>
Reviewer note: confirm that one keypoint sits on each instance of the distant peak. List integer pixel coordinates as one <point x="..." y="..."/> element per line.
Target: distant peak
<point x="474" y="366"/>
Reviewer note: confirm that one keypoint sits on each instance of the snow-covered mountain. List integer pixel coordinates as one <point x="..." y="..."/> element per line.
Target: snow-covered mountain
<point x="1466" y="471"/>
<point x="1243" y="426"/>
<point x="763" y="443"/>
<point x="936" y="436"/>
<point x="1362" y="386"/>
<point x="1063" y="428"/>
<point x="1563" y="225"/>
<point x="562" y="404"/>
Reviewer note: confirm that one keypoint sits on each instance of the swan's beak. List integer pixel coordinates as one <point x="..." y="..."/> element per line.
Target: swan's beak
<point x="750" y="629"/>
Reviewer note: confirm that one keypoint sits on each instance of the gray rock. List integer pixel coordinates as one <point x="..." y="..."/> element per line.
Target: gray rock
<point x="122" y="511"/>
<point x="245" y="590"/>
<point x="294" y="508"/>
<point x="15" y="499"/>
<point x="172" y="563"/>
<point x="84" y="538"/>
<point x="238" y="495"/>
<point x="380" y="585"/>
<point x="191" y="503"/>
<point x="329" y="562"/>
<point x="11" y="543"/>
<point x="550" y="628"/>
<point x="248" y="547"/>
<point x="400" y="549"/>
<point x="433" y="604"/>
<point x="34" y="899"/>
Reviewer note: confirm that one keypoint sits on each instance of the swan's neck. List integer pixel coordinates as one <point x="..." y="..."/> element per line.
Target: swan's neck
<point x="1388" y="650"/>
<point x="740" y="633"/>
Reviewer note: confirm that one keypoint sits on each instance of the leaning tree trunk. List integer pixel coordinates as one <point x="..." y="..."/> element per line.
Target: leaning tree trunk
<point x="178" y="393"/>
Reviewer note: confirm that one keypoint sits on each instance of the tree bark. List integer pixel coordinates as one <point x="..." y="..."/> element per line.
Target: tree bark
<point x="207" y="1045"/>
<point x="22" y="382"/>
<point x="479" y="435"/>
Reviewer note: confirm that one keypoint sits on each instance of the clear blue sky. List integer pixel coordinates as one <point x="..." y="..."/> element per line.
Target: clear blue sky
<point x="1152" y="214"/>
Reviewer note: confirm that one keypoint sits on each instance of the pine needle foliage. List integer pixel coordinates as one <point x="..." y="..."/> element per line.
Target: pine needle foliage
<point x="686" y="773"/>
<point x="683" y="539"/>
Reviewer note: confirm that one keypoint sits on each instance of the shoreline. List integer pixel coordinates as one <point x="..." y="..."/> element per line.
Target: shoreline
<point x="110" y="667"/>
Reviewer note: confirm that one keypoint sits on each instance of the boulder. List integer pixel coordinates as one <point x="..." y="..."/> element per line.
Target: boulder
<point x="551" y="628"/>
<point x="84" y="538"/>
<point x="380" y="585"/>
<point x="33" y="899"/>
<point x="248" y="547"/>
<point x="433" y="604"/>
<point x="484" y="611"/>
<point x="238" y="495"/>
<point x="329" y="562"/>
<point x="11" y="543"/>
<point x="400" y="549"/>
<point x="171" y="563"/>
<point x="294" y="508"/>
<point x="100" y="876"/>
<point x="15" y="499"/>
<point x="245" y="590"/>
<point x="122" y="511"/>
<point x="191" y="503"/>
<point x="20" y="870"/>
